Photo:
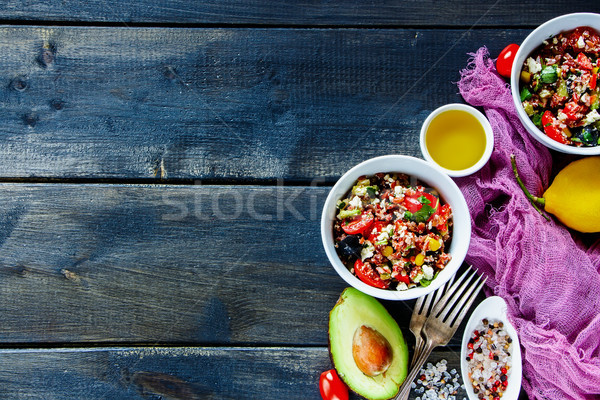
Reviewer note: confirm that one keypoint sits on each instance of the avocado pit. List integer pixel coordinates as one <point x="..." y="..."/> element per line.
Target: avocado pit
<point x="371" y="351"/>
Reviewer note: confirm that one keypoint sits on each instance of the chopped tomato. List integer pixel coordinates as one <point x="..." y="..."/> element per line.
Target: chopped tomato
<point x="358" y="224"/>
<point x="403" y="278"/>
<point x="374" y="231"/>
<point x="584" y="62"/>
<point x="368" y="275"/>
<point x="548" y="122"/>
<point x="443" y="216"/>
<point x="415" y="202"/>
<point x="572" y="110"/>
<point x="593" y="82"/>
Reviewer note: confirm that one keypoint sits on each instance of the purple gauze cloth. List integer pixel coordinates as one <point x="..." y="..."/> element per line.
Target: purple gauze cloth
<point x="548" y="277"/>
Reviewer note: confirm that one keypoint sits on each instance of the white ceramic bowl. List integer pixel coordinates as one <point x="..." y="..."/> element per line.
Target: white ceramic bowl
<point x="494" y="308"/>
<point x="553" y="27"/>
<point x="487" y="129"/>
<point x="429" y="174"/>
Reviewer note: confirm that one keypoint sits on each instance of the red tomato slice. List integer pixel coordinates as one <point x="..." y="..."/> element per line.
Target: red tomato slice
<point x="359" y="224"/>
<point x="505" y="60"/>
<point x="332" y="387"/>
<point x="368" y="275"/>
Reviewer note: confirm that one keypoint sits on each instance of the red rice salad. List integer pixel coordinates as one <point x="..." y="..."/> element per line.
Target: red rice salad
<point x="392" y="232"/>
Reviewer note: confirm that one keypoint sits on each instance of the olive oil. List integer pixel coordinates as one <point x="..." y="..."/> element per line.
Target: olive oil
<point x="455" y="140"/>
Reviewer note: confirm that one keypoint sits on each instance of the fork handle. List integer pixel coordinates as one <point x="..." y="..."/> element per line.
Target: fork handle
<point x="404" y="391"/>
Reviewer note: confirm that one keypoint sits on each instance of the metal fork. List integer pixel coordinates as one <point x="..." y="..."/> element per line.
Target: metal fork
<point x="443" y="321"/>
<point x="420" y="314"/>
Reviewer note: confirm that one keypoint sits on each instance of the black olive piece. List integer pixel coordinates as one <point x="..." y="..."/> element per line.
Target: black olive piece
<point x="588" y="136"/>
<point x="350" y="246"/>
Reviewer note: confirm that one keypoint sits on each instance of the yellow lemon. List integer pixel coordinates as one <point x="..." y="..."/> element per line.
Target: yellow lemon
<point x="574" y="195"/>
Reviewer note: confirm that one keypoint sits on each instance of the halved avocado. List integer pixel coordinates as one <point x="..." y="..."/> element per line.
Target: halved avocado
<point x="367" y="346"/>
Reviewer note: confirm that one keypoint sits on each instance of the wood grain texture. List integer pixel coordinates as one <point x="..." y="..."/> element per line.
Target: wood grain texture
<point x="190" y="264"/>
<point x="166" y="264"/>
<point x="180" y="373"/>
<point x="312" y="12"/>
<point x="222" y="104"/>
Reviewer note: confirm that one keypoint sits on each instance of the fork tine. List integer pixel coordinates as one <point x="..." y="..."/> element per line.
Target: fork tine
<point x="443" y="288"/>
<point x="447" y="298"/>
<point x="418" y="305"/>
<point x="466" y="296"/>
<point x="466" y="307"/>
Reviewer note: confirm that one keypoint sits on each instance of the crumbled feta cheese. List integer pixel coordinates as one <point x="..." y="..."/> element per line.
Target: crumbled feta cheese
<point x="534" y="66"/>
<point x="389" y="229"/>
<point x="561" y="116"/>
<point x="356" y="202"/>
<point x="581" y="42"/>
<point x="427" y="272"/>
<point x="418" y="278"/>
<point x="545" y="93"/>
<point x="402" y="286"/>
<point x="367" y="251"/>
<point x="383" y="236"/>
<point x="398" y="190"/>
<point x="591" y="117"/>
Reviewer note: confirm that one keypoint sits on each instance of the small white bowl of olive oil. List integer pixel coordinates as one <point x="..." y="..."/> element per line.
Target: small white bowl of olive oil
<point x="457" y="138"/>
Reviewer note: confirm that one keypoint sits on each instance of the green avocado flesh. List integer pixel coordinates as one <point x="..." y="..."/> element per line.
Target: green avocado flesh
<point x="353" y="310"/>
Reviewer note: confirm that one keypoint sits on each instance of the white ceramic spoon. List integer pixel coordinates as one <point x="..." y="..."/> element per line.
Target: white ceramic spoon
<point x="493" y="308"/>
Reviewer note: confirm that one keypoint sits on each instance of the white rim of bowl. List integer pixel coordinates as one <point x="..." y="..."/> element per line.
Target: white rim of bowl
<point x="516" y="73"/>
<point x="457" y="250"/>
<point x="487" y="129"/>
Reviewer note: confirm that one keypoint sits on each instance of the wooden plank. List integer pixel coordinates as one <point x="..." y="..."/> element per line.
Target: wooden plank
<point x="166" y="264"/>
<point x="221" y="104"/>
<point x="189" y="264"/>
<point x="182" y="373"/>
<point x="315" y="13"/>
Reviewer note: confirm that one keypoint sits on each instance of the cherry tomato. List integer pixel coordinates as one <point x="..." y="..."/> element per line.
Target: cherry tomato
<point x="358" y="224"/>
<point x="505" y="60"/>
<point x="332" y="387"/>
<point x="365" y="273"/>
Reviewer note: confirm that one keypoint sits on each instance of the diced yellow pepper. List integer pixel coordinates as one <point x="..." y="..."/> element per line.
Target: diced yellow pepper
<point x="525" y="76"/>
<point x="388" y="251"/>
<point x="434" y="244"/>
<point x="419" y="259"/>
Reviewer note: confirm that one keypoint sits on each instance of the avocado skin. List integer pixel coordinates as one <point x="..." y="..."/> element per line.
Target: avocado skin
<point x="352" y="310"/>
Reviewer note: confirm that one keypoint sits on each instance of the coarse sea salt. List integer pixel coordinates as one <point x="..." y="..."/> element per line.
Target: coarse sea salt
<point x="488" y="359"/>
<point x="435" y="382"/>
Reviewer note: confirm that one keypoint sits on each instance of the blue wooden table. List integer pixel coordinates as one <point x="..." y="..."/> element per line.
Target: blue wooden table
<point x="163" y="171"/>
